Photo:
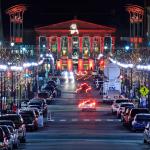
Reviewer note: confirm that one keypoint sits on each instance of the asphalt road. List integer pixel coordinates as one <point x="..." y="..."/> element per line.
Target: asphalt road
<point x="70" y="129"/>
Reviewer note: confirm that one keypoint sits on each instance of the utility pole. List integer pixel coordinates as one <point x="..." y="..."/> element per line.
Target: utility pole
<point x="1" y="24"/>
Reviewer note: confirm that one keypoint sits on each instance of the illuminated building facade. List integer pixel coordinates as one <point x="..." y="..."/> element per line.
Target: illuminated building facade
<point x="75" y="44"/>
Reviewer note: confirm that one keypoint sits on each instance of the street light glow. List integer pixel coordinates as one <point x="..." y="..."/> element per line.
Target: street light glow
<point x="12" y="44"/>
<point x="127" y="47"/>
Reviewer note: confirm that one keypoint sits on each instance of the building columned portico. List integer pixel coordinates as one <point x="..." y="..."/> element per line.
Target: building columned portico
<point x="75" y="44"/>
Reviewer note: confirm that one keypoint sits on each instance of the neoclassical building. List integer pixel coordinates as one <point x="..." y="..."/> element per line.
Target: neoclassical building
<point x="75" y="44"/>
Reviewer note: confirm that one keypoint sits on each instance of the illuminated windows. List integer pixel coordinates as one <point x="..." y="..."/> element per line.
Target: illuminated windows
<point x="54" y="44"/>
<point x="64" y="46"/>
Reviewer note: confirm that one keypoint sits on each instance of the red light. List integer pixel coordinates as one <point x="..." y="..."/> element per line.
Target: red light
<point x="80" y="65"/>
<point x="59" y="65"/>
<point x="69" y="64"/>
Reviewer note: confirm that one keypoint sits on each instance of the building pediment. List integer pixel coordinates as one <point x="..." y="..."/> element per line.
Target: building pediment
<point x="81" y="25"/>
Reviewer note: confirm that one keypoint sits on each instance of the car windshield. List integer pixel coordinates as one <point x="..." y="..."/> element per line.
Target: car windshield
<point x="137" y="111"/>
<point x="15" y="119"/>
<point x="35" y="106"/>
<point x="7" y="123"/>
<point x="143" y="118"/>
<point x="124" y="105"/>
<point x="43" y="95"/>
<point x="27" y="118"/>
<point x="30" y="113"/>
<point x="35" y="103"/>
<point x="121" y="101"/>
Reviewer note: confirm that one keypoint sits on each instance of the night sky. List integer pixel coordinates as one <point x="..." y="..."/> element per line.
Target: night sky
<point x="45" y="12"/>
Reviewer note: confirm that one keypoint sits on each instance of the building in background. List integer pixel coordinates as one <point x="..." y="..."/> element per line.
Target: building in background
<point x="75" y="44"/>
<point x="147" y="22"/>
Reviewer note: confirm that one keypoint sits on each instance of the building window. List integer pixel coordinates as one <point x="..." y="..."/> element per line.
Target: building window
<point x="64" y="46"/>
<point x="75" y="47"/>
<point x="54" y="44"/>
<point x="86" y="47"/>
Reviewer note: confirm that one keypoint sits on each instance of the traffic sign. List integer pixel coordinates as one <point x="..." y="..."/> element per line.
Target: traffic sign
<point x="144" y="90"/>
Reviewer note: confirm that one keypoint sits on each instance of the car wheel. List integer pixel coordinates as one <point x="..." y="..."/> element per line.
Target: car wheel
<point x="145" y="141"/>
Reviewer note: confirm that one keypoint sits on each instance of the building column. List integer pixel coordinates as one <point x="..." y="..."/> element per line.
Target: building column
<point x="37" y="45"/>
<point x="59" y="46"/>
<point x="69" y="65"/>
<point x="91" y="47"/>
<point x="113" y="44"/>
<point x="80" y="45"/>
<point x="49" y="44"/>
<point x="102" y="44"/>
<point x="69" y="46"/>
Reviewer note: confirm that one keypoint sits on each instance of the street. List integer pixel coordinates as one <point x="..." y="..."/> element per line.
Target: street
<point x="71" y="129"/>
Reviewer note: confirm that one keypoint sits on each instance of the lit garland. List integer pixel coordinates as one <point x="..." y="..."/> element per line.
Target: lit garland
<point x="139" y="67"/>
<point x="25" y="65"/>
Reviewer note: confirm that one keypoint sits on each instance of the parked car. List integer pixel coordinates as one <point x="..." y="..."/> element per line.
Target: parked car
<point x="130" y="117"/>
<point x="7" y="123"/>
<point x="125" y="112"/>
<point x="8" y="136"/>
<point x="122" y="106"/>
<point x="116" y="104"/>
<point x="19" y="125"/>
<point x="44" y="94"/>
<point x="3" y="140"/>
<point x="14" y="136"/>
<point x="140" y="121"/>
<point x="147" y="133"/>
<point x="39" y="102"/>
<point x="51" y="89"/>
<point x="30" y="119"/>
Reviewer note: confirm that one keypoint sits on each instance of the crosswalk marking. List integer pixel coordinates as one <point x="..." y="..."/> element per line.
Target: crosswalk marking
<point x="74" y="120"/>
<point x="98" y="120"/>
<point x="62" y="120"/>
<point x="110" y="120"/>
<point x="84" y="120"/>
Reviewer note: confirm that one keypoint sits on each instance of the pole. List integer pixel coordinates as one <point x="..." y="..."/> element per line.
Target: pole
<point x="1" y="92"/>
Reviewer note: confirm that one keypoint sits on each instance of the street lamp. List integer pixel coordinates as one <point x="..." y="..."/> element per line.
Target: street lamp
<point x="105" y="47"/>
<point x="12" y="44"/>
<point x="127" y="47"/>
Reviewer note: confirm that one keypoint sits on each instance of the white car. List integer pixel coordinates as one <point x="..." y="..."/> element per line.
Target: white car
<point x="147" y="133"/>
<point x="116" y="104"/>
<point x="122" y="106"/>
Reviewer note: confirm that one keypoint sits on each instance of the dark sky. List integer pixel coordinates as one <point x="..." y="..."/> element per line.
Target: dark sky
<point x="44" y="12"/>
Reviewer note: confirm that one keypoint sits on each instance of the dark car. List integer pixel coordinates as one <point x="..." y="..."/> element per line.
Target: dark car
<point x="132" y="114"/>
<point x="140" y="121"/>
<point x="30" y="119"/>
<point x="8" y="135"/>
<point x="7" y="123"/>
<point x="19" y="125"/>
<point x="40" y="103"/>
<point x="43" y="94"/>
<point x="3" y="140"/>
